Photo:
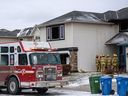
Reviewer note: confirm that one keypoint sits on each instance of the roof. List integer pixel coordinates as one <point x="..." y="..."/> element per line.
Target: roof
<point x="89" y="17"/>
<point x="77" y="16"/>
<point x="25" y="32"/>
<point x="121" y="14"/>
<point x="7" y="33"/>
<point x="119" y="39"/>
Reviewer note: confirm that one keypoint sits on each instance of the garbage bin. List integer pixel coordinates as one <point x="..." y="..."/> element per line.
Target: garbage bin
<point x="106" y="85"/>
<point x="94" y="84"/>
<point x="122" y="85"/>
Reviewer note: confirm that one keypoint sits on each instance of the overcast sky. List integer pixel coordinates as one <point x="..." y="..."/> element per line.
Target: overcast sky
<point x="16" y="14"/>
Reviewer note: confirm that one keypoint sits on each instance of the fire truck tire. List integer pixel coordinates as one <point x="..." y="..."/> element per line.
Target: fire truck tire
<point x="42" y="90"/>
<point x="13" y="86"/>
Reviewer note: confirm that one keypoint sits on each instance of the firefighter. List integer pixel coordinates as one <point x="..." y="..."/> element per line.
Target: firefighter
<point x="108" y="61"/>
<point x="115" y="62"/>
<point x="98" y="63"/>
<point x="103" y="63"/>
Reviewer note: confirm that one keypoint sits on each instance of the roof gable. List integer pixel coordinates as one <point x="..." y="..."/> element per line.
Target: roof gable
<point x="25" y="32"/>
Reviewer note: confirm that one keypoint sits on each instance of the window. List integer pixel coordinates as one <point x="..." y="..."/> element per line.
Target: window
<point x="4" y="49"/>
<point x="44" y="58"/>
<point x="18" y="49"/>
<point x="55" y="33"/>
<point x="4" y="60"/>
<point x="123" y="27"/>
<point x="12" y="59"/>
<point x="22" y="59"/>
<point x="11" y="49"/>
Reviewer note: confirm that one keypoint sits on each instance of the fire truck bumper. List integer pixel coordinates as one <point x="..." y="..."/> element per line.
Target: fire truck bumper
<point x="51" y="83"/>
<point x="40" y="84"/>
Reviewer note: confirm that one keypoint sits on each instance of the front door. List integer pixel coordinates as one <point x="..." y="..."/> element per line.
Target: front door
<point x="123" y="64"/>
<point x="126" y="59"/>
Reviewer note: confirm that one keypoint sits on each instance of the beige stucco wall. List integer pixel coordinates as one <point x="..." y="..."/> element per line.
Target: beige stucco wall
<point x="90" y="40"/>
<point x="4" y="40"/>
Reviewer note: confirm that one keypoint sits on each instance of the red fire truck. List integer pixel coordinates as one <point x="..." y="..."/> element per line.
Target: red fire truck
<point x="29" y="65"/>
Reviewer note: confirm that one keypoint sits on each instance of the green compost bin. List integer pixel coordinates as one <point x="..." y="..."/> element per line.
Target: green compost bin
<point x="94" y="84"/>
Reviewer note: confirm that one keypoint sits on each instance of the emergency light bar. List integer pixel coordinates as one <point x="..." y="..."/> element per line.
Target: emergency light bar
<point x="35" y="46"/>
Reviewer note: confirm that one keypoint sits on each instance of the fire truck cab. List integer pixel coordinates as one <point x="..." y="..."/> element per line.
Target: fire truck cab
<point x="29" y="65"/>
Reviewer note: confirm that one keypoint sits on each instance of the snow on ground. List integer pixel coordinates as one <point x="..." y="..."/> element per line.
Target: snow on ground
<point x="74" y="93"/>
<point x="84" y="80"/>
<point x="79" y="82"/>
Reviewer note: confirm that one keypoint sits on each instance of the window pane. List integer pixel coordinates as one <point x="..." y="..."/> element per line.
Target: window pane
<point x="48" y="33"/>
<point x="12" y="59"/>
<point x="55" y="33"/>
<point x="18" y="49"/>
<point x="4" y="60"/>
<point x="23" y="59"/>
<point x="124" y="27"/>
<point x="11" y="49"/>
<point x="62" y="32"/>
<point x="4" y="49"/>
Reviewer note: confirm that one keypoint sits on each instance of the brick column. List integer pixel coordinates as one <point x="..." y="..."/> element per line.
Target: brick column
<point x="73" y="61"/>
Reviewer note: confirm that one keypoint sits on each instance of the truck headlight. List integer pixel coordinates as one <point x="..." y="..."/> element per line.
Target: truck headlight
<point x="59" y="74"/>
<point x="39" y="74"/>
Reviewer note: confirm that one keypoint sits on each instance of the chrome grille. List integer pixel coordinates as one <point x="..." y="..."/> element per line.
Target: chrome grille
<point x="50" y="74"/>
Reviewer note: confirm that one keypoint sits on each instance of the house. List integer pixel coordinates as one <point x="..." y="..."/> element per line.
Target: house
<point x="120" y="40"/>
<point x="26" y="34"/>
<point x="8" y="36"/>
<point x="79" y="36"/>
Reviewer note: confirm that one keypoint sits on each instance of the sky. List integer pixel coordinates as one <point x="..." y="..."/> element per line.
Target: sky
<point x="19" y="14"/>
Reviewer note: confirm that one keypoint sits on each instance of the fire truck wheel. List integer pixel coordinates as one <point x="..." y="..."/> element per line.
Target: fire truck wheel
<point x="42" y="90"/>
<point x="13" y="86"/>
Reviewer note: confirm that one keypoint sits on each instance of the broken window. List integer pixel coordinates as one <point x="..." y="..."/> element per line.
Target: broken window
<point x="55" y="33"/>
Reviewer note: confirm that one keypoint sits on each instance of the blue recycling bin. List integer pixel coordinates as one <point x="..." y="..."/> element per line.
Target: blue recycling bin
<point x="106" y="85"/>
<point x="122" y="85"/>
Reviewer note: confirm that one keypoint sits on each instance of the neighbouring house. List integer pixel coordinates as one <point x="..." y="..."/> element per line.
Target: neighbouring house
<point x="26" y="34"/>
<point x="79" y="36"/>
<point x="8" y="36"/>
<point x="120" y="40"/>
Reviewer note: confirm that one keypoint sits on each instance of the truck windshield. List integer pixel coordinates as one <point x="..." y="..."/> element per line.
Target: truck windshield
<point x="44" y="58"/>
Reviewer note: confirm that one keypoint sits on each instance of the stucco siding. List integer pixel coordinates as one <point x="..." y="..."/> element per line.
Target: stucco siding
<point x="90" y="40"/>
<point x="4" y="40"/>
<point x="41" y="33"/>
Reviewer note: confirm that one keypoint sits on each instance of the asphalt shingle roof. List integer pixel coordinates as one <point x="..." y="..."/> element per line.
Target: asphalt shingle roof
<point x="76" y="16"/>
<point x="88" y="17"/>
<point x="7" y="33"/>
